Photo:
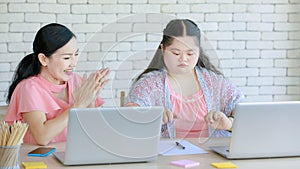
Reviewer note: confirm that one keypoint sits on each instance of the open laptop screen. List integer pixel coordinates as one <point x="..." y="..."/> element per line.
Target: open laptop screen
<point x="265" y="129"/>
<point x="113" y="135"/>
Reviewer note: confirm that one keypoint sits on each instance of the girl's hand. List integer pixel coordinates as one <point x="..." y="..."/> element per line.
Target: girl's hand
<point x="168" y="116"/>
<point x="218" y="120"/>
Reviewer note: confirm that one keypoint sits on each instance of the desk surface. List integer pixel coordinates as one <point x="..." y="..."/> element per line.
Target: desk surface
<point x="163" y="161"/>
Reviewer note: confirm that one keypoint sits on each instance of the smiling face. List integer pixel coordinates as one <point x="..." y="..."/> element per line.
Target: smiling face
<point x="182" y="55"/>
<point x="59" y="66"/>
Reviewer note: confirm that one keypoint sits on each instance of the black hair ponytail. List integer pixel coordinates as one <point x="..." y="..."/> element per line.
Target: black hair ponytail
<point x="26" y="68"/>
<point x="48" y="39"/>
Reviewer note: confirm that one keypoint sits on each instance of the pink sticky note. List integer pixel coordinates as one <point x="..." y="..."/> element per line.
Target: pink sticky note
<point x="185" y="163"/>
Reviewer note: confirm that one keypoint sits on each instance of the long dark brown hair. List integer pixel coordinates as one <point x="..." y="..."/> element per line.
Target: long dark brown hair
<point x="48" y="39"/>
<point x="179" y="28"/>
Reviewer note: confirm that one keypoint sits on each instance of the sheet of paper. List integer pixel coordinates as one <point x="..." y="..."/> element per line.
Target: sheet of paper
<point x="169" y="148"/>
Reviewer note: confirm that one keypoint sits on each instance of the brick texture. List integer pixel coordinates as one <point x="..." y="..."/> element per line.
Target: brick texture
<point x="256" y="43"/>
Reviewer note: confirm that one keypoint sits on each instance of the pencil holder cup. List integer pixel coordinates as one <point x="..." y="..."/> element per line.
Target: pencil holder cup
<point x="10" y="157"/>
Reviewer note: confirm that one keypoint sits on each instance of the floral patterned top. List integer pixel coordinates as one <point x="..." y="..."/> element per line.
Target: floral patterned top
<point x="220" y="94"/>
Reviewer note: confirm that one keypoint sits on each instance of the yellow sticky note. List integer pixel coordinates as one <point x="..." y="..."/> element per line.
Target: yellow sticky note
<point x="33" y="165"/>
<point x="224" y="165"/>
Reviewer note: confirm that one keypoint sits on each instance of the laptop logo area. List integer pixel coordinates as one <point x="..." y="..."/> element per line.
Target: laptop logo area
<point x="118" y="132"/>
<point x="113" y="135"/>
<point x="264" y="130"/>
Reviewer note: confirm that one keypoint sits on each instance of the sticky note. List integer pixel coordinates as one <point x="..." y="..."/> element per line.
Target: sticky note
<point x="185" y="163"/>
<point x="224" y="165"/>
<point x="33" y="165"/>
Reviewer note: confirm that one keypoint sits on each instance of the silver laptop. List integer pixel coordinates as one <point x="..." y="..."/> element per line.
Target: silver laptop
<point x="112" y="135"/>
<point x="263" y="130"/>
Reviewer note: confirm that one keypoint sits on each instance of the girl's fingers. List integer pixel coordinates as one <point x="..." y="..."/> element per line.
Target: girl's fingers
<point x="209" y="118"/>
<point x="216" y="116"/>
<point x="167" y="117"/>
<point x="170" y="115"/>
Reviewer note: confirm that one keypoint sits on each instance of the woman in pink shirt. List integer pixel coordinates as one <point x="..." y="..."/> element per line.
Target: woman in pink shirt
<point x="44" y="86"/>
<point x="199" y="100"/>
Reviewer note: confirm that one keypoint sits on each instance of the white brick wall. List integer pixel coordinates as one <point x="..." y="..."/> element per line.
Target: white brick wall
<point x="256" y="42"/>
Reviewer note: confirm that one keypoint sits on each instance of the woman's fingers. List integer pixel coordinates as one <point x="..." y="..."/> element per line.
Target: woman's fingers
<point x="91" y="87"/>
<point x="101" y="86"/>
<point x="101" y="77"/>
<point x="97" y="80"/>
<point x="102" y="73"/>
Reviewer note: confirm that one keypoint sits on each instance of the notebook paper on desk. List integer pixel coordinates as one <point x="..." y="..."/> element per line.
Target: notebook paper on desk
<point x="169" y="148"/>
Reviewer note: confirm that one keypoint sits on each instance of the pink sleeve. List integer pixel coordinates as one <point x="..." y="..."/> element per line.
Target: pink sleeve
<point x="29" y="96"/>
<point x="33" y="97"/>
<point x="99" y="102"/>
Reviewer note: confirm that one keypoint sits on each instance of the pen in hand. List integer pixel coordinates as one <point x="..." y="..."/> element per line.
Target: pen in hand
<point x="180" y="145"/>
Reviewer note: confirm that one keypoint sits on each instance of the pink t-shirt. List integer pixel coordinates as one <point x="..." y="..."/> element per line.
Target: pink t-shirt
<point x="35" y="93"/>
<point x="190" y="112"/>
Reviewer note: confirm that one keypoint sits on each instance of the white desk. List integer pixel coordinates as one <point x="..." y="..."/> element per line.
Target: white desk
<point x="163" y="161"/>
